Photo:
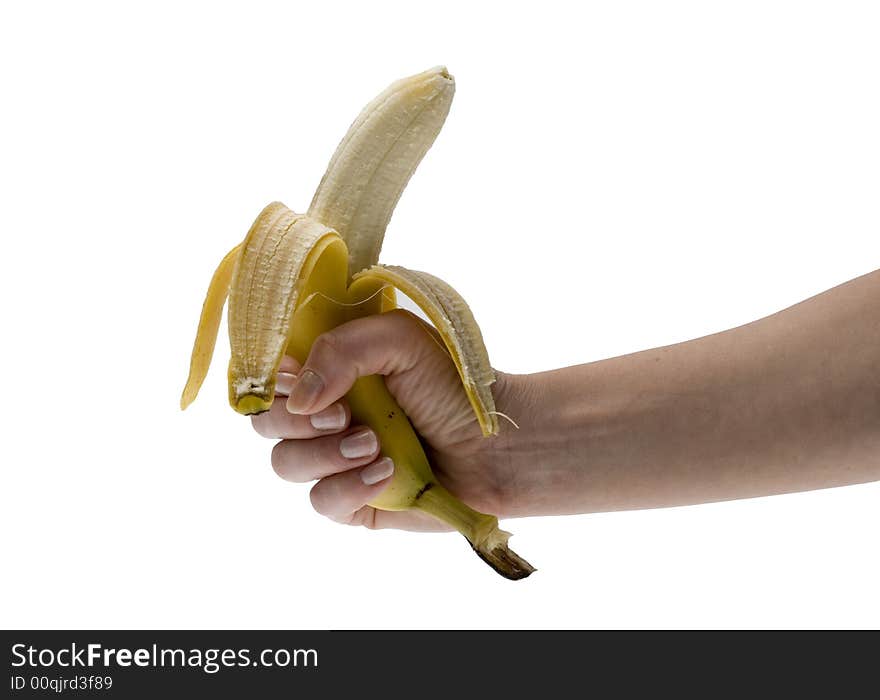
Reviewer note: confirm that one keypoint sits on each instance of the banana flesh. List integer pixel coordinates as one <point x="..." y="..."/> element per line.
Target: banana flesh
<point x="296" y="276"/>
<point x="374" y="162"/>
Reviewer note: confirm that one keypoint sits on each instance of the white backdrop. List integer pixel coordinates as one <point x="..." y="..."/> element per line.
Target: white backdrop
<point x="613" y="176"/>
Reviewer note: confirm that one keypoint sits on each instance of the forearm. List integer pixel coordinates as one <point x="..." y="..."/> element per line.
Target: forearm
<point x="788" y="403"/>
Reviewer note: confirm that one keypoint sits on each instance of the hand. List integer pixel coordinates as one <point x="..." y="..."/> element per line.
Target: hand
<point x="312" y="419"/>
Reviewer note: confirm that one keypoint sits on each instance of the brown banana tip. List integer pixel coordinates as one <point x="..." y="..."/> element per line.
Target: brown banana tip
<point x="506" y="562"/>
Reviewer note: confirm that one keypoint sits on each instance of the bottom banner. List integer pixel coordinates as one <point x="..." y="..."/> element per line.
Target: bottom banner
<point x="136" y="664"/>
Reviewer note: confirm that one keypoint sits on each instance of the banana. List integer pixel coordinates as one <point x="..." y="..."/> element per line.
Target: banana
<point x="296" y="276"/>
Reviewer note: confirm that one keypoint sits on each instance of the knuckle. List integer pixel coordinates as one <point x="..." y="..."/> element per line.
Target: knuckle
<point x="403" y="322"/>
<point x="401" y="316"/>
<point x="365" y="517"/>
<point x="261" y="424"/>
<point x="322" y="451"/>
<point x="277" y="458"/>
<point x="407" y="328"/>
<point x="283" y="461"/>
<point x="321" y="497"/>
<point x="328" y="499"/>
<point x="327" y="344"/>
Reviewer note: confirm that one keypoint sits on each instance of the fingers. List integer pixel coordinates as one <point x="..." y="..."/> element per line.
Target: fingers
<point x="412" y="520"/>
<point x="379" y="344"/>
<point x="344" y="497"/>
<point x="318" y="442"/>
<point x="344" y="500"/>
<point x="278" y="422"/>
<point x="307" y="460"/>
<point x="339" y="496"/>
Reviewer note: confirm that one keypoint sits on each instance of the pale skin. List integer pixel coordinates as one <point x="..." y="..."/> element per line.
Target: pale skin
<point x="790" y="402"/>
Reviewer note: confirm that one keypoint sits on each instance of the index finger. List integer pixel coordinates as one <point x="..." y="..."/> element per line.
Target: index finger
<point x="278" y="422"/>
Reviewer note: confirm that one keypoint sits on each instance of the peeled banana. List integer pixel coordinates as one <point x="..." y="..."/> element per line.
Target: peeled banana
<point x="296" y="276"/>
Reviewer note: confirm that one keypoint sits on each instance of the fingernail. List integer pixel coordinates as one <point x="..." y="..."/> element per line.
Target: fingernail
<point x="305" y="392"/>
<point x="284" y="383"/>
<point x="378" y="471"/>
<point x="360" y="444"/>
<point x="331" y="418"/>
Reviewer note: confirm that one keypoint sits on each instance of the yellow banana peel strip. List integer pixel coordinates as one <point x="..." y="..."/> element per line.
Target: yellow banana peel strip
<point x="209" y="325"/>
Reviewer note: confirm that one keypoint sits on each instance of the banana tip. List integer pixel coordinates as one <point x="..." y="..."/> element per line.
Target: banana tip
<point x="186" y="398"/>
<point x="443" y="72"/>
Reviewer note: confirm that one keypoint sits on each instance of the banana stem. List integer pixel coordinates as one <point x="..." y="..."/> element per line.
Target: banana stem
<point x="474" y="525"/>
<point x="481" y="530"/>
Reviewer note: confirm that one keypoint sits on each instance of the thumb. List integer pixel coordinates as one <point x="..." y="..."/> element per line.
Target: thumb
<point x="383" y="344"/>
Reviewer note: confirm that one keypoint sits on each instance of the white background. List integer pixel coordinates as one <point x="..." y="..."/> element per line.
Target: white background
<point x="613" y="176"/>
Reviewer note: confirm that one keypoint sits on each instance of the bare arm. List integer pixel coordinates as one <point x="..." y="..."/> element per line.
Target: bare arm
<point x="788" y="403"/>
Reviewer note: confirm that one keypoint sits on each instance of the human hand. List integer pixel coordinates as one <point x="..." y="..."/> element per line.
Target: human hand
<point x="318" y="442"/>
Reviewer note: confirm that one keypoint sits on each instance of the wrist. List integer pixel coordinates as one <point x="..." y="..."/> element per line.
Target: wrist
<point x="524" y="454"/>
<point x="575" y="427"/>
